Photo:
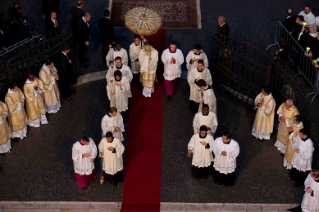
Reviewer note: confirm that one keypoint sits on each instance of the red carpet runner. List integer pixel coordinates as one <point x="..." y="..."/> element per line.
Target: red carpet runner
<point x="143" y="161"/>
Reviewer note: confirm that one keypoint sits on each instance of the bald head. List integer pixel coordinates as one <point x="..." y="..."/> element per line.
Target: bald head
<point x="87" y="16"/>
<point x="289" y="12"/>
<point x="221" y="20"/>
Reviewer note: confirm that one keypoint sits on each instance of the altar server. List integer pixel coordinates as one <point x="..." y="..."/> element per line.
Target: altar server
<point x="310" y="201"/>
<point x="200" y="147"/>
<point x="115" y="52"/>
<point x="134" y="50"/>
<point x="173" y="59"/>
<point x="113" y="122"/>
<point x="301" y="162"/>
<point x="17" y="118"/>
<point x="117" y="89"/>
<point x="205" y="118"/>
<point x="49" y="76"/>
<point x="194" y="56"/>
<point x="33" y="88"/>
<point x="195" y="74"/>
<point x="84" y="152"/>
<point x="207" y="96"/>
<point x="294" y="132"/>
<point x="264" y="120"/>
<point x="226" y="151"/>
<point x="111" y="149"/>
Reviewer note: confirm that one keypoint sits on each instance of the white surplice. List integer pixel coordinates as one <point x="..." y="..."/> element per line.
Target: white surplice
<point x="207" y="95"/>
<point x="209" y="120"/>
<point x="134" y="54"/>
<point x="109" y="122"/>
<point x="310" y="202"/>
<point x="83" y="166"/>
<point x="202" y="156"/>
<point x="112" y="161"/>
<point x="119" y="99"/>
<point x="198" y="74"/>
<point x="172" y="71"/>
<point x="302" y="160"/>
<point x="225" y="164"/>
<point x="126" y="72"/>
<point x="191" y="65"/>
<point x="112" y="54"/>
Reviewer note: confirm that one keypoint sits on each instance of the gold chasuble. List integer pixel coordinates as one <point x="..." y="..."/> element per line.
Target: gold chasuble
<point x="35" y="106"/>
<point x="5" y="134"/>
<point x="289" y="153"/>
<point x="17" y="117"/>
<point x="288" y="114"/>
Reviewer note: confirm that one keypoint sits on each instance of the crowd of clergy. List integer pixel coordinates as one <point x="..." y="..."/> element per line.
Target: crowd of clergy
<point x="40" y="96"/>
<point x="293" y="142"/>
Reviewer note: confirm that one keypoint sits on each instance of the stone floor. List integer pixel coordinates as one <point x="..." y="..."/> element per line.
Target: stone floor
<point x="40" y="167"/>
<point x="261" y="175"/>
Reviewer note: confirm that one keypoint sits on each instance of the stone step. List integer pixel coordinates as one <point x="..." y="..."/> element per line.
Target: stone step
<point x="14" y="206"/>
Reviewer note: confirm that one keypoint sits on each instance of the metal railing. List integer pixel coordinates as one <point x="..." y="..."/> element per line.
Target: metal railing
<point x="240" y="72"/>
<point x="296" y="55"/>
<point x="16" y="68"/>
<point x="19" y="48"/>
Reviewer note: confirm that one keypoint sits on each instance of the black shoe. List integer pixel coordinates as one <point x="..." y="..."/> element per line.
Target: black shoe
<point x="282" y="154"/>
<point x="85" y="188"/>
<point x="70" y="99"/>
<point x="169" y="97"/>
<point x="16" y="140"/>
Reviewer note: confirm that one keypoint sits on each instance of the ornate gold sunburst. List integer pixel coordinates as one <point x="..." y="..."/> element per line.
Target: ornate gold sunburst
<point x="143" y="21"/>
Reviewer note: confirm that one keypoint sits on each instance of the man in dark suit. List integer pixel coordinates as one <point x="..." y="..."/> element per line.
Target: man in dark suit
<point x="52" y="25"/>
<point x="107" y="35"/>
<point x="84" y="36"/>
<point x="222" y="30"/>
<point x="290" y="21"/>
<point x="76" y="14"/>
<point x="296" y="31"/>
<point x="48" y="6"/>
<point x="66" y="74"/>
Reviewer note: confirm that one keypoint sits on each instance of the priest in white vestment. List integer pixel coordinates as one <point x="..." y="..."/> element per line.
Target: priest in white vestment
<point x="115" y="52"/>
<point x="111" y="150"/>
<point x="226" y="151"/>
<point x="294" y="133"/>
<point x="134" y="50"/>
<point x="286" y="113"/>
<point x="205" y="118"/>
<point x="126" y="72"/>
<point x="172" y="59"/>
<point x="5" y="134"/>
<point x="207" y="96"/>
<point x="84" y="152"/>
<point x="148" y="62"/>
<point x="302" y="160"/>
<point x="33" y="88"/>
<point x="201" y="147"/>
<point x="310" y="201"/>
<point x="264" y="120"/>
<point x="195" y="74"/>
<point x="113" y="122"/>
<point x="194" y="56"/>
<point x="17" y="117"/>
<point x="117" y="88"/>
<point x="51" y="95"/>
